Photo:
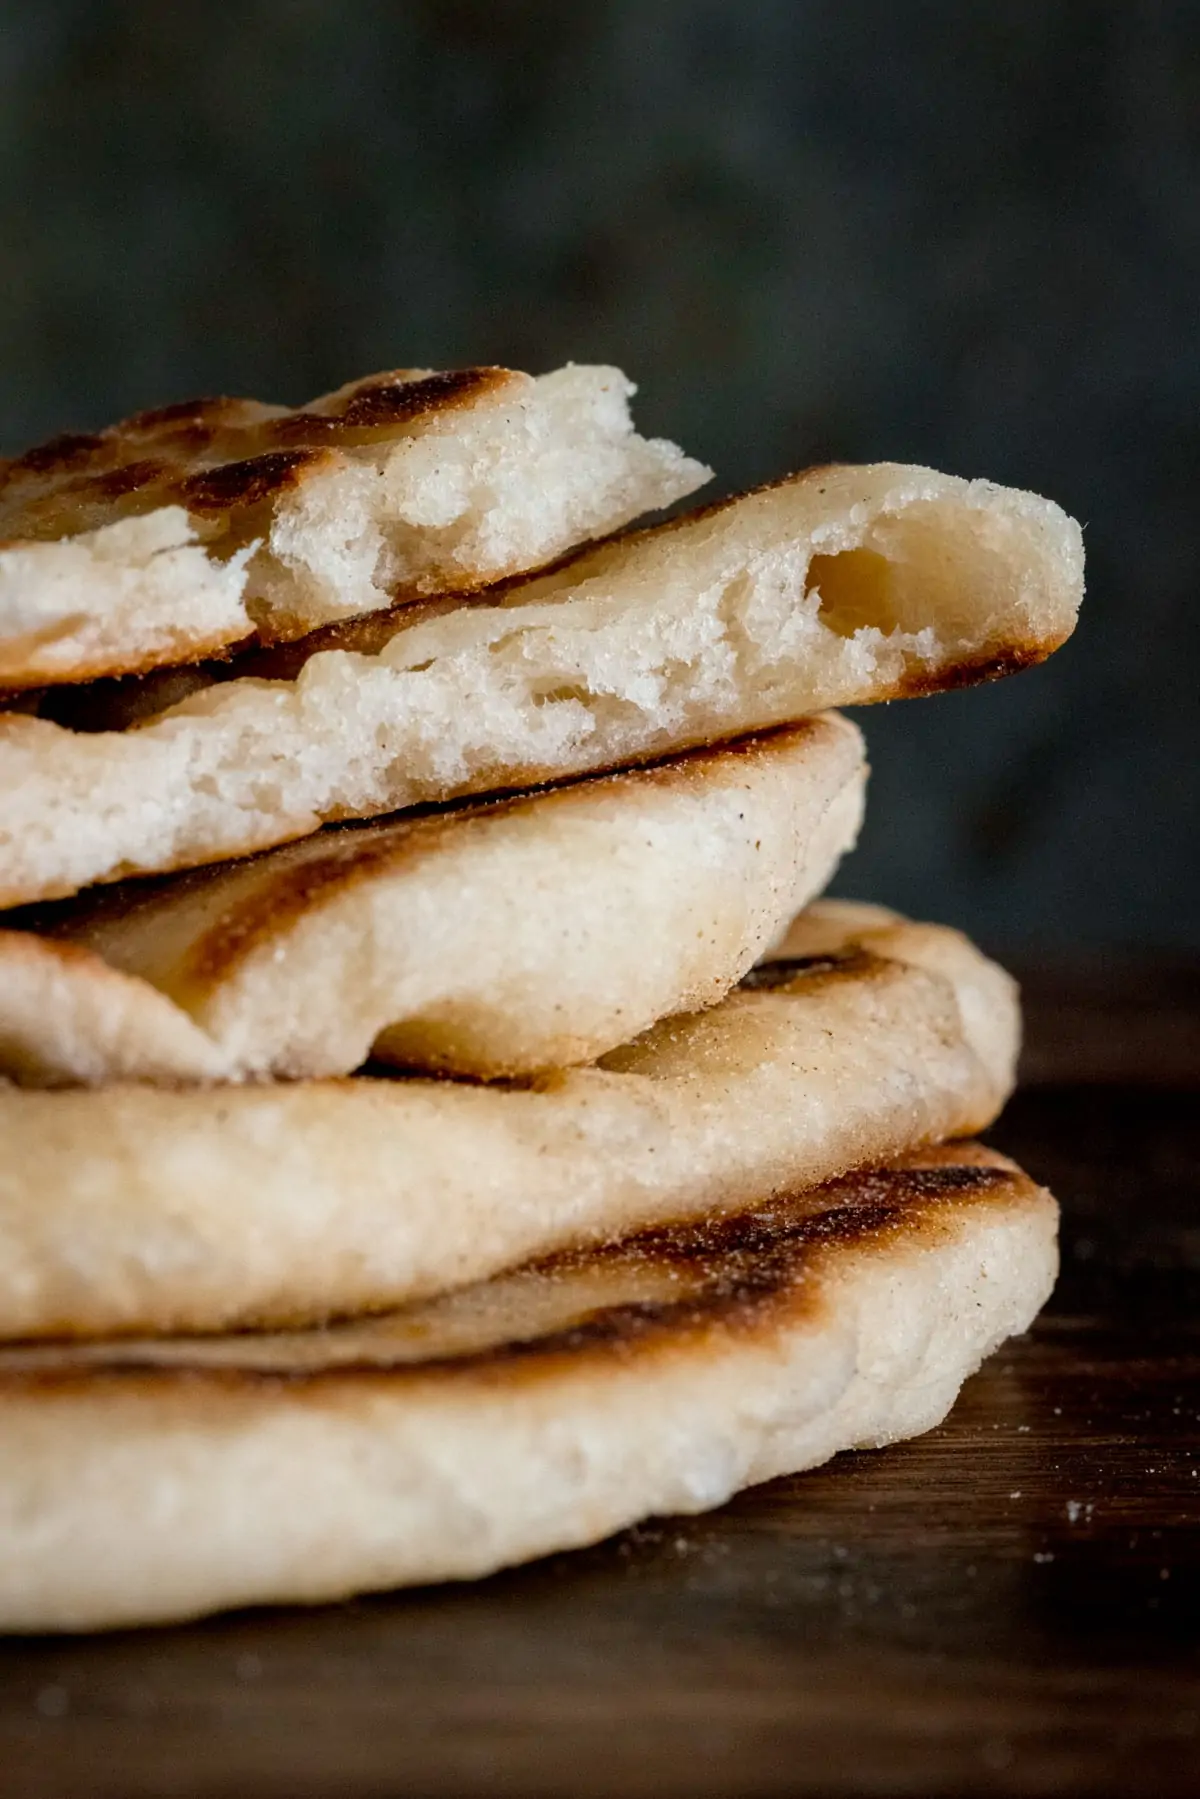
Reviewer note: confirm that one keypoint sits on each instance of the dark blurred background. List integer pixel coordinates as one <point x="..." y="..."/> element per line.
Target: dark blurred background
<point x="962" y="235"/>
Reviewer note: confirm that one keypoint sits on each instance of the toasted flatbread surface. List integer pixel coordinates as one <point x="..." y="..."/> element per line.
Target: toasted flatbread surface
<point x="133" y="1208"/>
<point x="540" y="1411"/>
<point x="182" y="530"/>
<point x="498" y="939"/>
<point x="840" y="585"/>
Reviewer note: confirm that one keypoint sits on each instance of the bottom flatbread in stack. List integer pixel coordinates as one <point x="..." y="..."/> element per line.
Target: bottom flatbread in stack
<point x="540" y="1410"/>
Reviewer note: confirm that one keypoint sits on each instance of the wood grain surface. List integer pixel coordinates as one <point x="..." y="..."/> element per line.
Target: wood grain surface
<point x="1010" y="1605"/>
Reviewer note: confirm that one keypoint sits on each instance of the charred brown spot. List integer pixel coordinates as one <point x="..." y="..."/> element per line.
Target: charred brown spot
<point x="300" y="427"/>
<point x="690" y="758"/>
<point x="383" y="403"/>
<point x="738" y="1245"/>
<point x="743" y="1264"/>
<point x="366" y="634"/>
<point x="787" y="969"/>
<point x="991" y="665"/>
<point x="70" y="449"/>
<point x="399" y="402"/>
<point x="246" y="483"/>
<point x="118" y="482"/>
<point x="186" y="442"/>
<point x="284" y="895"/>
<point x="181" y="412"/>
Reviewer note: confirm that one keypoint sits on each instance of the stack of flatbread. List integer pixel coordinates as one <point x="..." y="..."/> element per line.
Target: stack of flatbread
<point x="440" y="1123"/>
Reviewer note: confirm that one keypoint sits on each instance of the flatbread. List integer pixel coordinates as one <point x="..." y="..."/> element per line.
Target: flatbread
<point x="495" y="940"/>
<point x="824" y="929"/>
<point x="182" y="530"/>
<point x="546" y="1409"/>
<point x="840" y="585"/>
<point x="129" y="1208"/>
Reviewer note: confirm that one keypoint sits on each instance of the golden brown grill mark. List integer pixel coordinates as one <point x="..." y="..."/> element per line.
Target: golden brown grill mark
<point x="187" y="443"/>
<point x="246" y="483"/>
<point x="279" y="899"/>
<point x="739" y="1273"/>
<point x="121" y="481"/>
<point x="301" y="427"/>
<point x="399" y="402"/>
<point x="856" y="1206"/>
<point x="347" y="854"/>
<point x="990" y="665"/>
<point x="69" y="450"/>
<point x="382" y="408"/>
<point x="743" y="1263"/>
<point x="180" y="412"/>
<point x="224" y="453"/>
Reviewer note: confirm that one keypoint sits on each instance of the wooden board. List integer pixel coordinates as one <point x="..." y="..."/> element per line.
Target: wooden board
<point x="1009" y="1605"/>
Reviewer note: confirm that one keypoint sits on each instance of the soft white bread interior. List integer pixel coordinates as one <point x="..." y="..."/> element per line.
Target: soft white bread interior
<point x="841" y="585"/>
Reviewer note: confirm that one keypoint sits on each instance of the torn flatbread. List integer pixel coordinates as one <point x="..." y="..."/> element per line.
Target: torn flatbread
<point x="842" y="585"/>
<point x="183" y="530"/>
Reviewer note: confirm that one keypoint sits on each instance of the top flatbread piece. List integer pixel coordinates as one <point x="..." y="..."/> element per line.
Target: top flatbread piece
<point x="185" y="529"/>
